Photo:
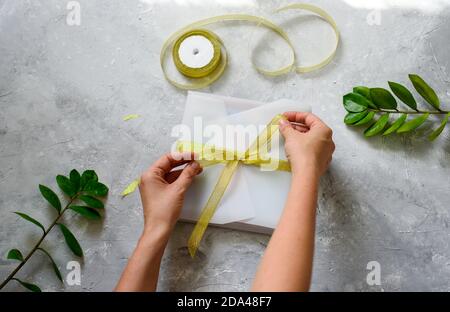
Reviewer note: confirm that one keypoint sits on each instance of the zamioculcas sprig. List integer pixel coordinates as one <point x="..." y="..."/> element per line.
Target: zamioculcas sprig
<point x="82" y="192"/>
<point x="365" y="104"/>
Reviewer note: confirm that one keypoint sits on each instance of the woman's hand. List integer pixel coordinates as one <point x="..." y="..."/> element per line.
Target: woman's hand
<point x="162" y="194"/>
<point x="287" y="262"/>
<point x="162" y="190"/>
<point x="309" y="145"/>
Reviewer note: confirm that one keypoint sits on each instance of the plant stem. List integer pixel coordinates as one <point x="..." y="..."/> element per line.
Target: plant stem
<point x="13" y="273"/>
<point x="440" y="112"/>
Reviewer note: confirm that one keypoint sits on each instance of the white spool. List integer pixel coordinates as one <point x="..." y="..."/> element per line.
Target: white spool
<point x="196" y="51"/>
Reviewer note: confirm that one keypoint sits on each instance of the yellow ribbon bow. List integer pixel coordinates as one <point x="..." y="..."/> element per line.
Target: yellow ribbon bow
<point x="209" y="156"/>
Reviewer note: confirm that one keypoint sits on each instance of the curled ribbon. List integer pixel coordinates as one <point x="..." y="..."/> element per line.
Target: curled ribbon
<point x="208" y="156"/>
<point x="213" y="75"/>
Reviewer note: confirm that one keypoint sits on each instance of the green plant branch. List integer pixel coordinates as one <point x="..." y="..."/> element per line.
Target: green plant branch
<point x="82" y="187"/>
<point x="37" y="245"/>
<point x="440" y="112"/>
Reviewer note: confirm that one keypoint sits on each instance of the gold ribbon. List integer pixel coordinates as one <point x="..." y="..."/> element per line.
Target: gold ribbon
<point x="202" y="82"/>
<point x="256" y="155"/>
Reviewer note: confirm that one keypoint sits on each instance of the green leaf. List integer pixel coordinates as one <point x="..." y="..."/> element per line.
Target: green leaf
<point x="383" y="98"/>
<point x="15" y="254"/>
<point x="89" y="213"/>
<point x="366" y="119"/>
<point x="396" y="125"/>
<point x="71" y="240"/>
<point x="51" y="197"/>
<point x="425" y="91"/>
<point x="87" y="176"/>
<point x="55" y="267"/>
<point x="403" y="94"/>
<point x="355" y="103"/>
<point x="91" y="201"/>
<point x="364" y="91"/>
<point x="75" y="178"/>
<point x="66" y="185"/>
<point x="30" y="219"/>
<point x="96" y="188"/>
<point x="32" y="287"/>
<point x="351" y="118"/>
<point x="377" y="127"/>
<point x="413" y="124"/>
<point x="436" y="133"/>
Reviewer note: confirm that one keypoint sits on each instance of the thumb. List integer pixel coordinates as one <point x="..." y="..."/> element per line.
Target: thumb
<point x="187" y="175"/>
<point x="286" y="128"/>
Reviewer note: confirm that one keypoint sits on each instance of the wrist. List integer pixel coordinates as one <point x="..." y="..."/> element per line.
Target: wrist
<point x="308" y="169"/>
<point x="304" y="178"/>
<point x="156" y="233"/>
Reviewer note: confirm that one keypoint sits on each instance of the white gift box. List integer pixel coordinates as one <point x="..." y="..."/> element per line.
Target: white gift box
<point x="255" y="198"/>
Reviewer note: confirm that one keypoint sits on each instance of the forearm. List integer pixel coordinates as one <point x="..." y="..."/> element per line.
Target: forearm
<point x="142" y="270"/>
<point x="287" y="262"/>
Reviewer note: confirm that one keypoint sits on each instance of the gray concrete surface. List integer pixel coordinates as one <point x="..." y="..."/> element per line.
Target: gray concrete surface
<point x="64" y="90"/>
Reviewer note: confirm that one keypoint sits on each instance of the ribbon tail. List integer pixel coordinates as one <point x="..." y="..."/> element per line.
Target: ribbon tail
<point x="211" y="206"/>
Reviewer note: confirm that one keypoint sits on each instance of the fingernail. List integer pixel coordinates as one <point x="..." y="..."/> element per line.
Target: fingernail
<point x="195" y="165"/>
<point x="283" y="122"/>
<point x="176" y="155"/>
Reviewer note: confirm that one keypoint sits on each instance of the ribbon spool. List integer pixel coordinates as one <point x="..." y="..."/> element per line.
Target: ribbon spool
<point x="203" y="76"/>
<point x="197" y="53"/>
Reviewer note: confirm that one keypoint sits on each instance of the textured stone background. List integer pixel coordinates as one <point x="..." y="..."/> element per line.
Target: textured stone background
<point x="65" y="89"/>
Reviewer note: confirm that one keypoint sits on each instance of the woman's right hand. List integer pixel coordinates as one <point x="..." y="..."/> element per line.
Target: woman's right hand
<point x="309" y="146"/>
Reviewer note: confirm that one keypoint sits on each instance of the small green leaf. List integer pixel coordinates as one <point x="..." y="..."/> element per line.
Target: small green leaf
<point x="355" y="103"/>
<point x="377" y="127"/>
<point x="96" y="188"/>
<point x="32" y="287"/>
<point x="55" y="267"/>
<point x="403" y="94"/>
<point x="413" y="124"/>
<point x="92" y="202"/>
<point x="396" y="125"/>
<point x="383" y="98"/>
<point x="15" y="254"/>
<point x="75" y="178"/>
<point x="89" y="213"/>
<point x="366" y="119"/>
<point x="30" y="219"/>
<point x="66" y="185"/>
<point x="87" y="176"/>
<point x="425" y="91"/>
<point x="364" y="91"/>
<point x="51" y="197"/>
<point x="351" y="118"/>
<point x="71" y="240"/>
<point x="436" y="133"/>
